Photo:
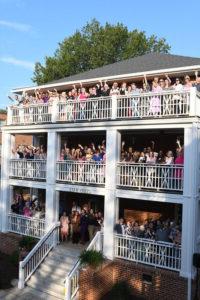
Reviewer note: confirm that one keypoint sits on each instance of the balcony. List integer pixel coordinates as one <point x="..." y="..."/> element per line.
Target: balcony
<point x="155" y="253"/>
<point x="162" y="105"/>
<point x="81" y="172"/>
<point x="150" y="177"/>
<point x="28" y="169"/>
<point x="26" y="226"/>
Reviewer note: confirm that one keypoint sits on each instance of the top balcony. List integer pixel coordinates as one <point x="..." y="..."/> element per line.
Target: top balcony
<point x="165" y="104"/>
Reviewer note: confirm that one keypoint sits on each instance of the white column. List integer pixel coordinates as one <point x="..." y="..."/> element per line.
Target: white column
<point x="190" y="193"/>
<point x="113" y="141"/>
<point x="51" y="179"/>
<point x="5" y="191"/>
<point x="194" y="102"/>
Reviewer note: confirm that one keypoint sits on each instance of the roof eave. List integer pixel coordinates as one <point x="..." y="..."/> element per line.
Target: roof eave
<point x="108" y="78"/>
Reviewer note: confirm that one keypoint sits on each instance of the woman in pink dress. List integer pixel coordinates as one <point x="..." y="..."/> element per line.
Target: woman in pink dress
<point x="26" y="211"/>
<point x="64" y="226"/>
<point x="179" y="161"/>
<point x="155" y="102"/>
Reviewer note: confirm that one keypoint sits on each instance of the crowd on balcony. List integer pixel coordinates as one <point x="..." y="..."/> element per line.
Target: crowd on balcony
<point x="30" y="207"/>
<point x="81" y="225"/>
<point x="103" y="88"/>
<point x="158" y="230"/>
<point x="150" y="155"/>
<point x="29" y="152"/>
<point x="91" y="152"/>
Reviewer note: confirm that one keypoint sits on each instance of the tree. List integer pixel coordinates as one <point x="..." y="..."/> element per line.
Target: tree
<point x="94" y="46"/>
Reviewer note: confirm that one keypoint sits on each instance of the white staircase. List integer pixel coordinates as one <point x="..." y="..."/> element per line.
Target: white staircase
<point x="49" y="277"/>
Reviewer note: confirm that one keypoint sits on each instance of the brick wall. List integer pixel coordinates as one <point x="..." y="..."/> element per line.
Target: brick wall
<point x="9" y="242"/>
<point x="166" y="285"/>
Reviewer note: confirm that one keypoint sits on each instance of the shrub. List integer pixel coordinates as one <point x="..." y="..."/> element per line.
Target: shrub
<point x="14" y="258"/>
<point x="28" y="243"/>
<point x="91" y="258"/>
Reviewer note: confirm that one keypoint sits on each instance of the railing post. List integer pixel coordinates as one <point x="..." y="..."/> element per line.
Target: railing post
<point x="193" y="104"/>
<point x="21" y="281"/>
<point x="68" y="288"/>
<point x="114" y="107"/>
<point x="54" y="110"/>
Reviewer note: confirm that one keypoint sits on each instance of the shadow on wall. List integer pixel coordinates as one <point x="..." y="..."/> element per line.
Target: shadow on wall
<point x="119" y="291"/>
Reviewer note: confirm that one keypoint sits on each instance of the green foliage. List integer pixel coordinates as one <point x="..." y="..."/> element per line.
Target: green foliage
<point x="91" y="258"/>
<point x="28" y="243"/>
<point x="94" y="46"/>
<point x="3" y="111"/>
<point x="14" y="258"/>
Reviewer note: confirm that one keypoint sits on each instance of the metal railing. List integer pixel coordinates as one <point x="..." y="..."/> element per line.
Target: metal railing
<point x="33" y="227"/>
<point x="72" y="279"/>
<point x="158" y="254"/>
<point x="32" y="261"/>
<point x="155" y="177"/>
<point x="85" y="110"/>
<point x="87" y="172"/>
<point x="31" y="114"/>
<point x="28" y="168"/>
<point x="148" y="105"/>
<point x="133" y="106"/>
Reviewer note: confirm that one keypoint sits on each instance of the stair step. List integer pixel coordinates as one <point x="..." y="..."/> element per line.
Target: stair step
<point x="55" y="273"/>
<point x="52" y="290"/>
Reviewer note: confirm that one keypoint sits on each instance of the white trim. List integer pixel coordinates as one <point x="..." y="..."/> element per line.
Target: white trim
<point x="156" y="123"/>
<point x="111" y="78"/>
<point x="74" y="188"/>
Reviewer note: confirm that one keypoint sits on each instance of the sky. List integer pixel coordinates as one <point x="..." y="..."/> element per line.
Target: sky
<point x="32" y="29"/>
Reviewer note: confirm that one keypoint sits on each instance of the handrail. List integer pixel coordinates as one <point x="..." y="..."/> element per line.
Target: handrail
<point x="131" y="106"/>
<point x="72" y="278"/>
<point x="23" y="225"/>
<point x="150" y="176"/>
<point x="151" y="252"/>
<point x="31" y="262"/>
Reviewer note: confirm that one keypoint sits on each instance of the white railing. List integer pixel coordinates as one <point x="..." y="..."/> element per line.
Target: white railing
<point x="72" y="279"/>
<point x="85" y="110"/>
<point x="33" y="227"/>
<point x="154" y="177"/>
<point x="155" y="253"/>
<point x="148" y="105"/>
<point x="87" y="172"/>
<point x="28" y="168"/>
<point x="142" y="105"/>
<point x="31" y="114"/>
<point x="32" y="261"/>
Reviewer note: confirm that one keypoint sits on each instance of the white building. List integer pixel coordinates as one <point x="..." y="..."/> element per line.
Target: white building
<point x="115" y="186"/>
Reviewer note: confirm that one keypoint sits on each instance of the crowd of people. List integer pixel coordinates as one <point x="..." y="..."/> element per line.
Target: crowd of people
<point x="89" y="152"/>
<point x="29" y="152"/>
<point x="30" y="207"/>
<point x="81" y="225"/>
<point x="149" y="155"/>
<point x="103" y="89"/>
<point x="158" y="230"/>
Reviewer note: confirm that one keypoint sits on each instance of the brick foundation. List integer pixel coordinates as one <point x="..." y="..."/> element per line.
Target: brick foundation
<point x="165" y="285"/>
<point x="9" y="242"/>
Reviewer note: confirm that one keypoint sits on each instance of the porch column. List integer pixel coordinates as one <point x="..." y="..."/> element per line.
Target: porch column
<point x="50" y="204"/>
<point x="5" y="190"/>
<point x="190" y="202"/>
<point x="113" y="141"/>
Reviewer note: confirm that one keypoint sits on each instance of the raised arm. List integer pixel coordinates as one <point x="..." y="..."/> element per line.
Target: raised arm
<point x="167" y="77"/>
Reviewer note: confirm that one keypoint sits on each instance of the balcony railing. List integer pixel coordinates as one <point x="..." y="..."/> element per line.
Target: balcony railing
<point x="148" y="105"/>
<point x="83" y="172"/>
<point x="153" y="177"/>
<point x="143" y="105"/>
<point x="28" y="169"/>
<point x="33" y="227"/>
<point x="158" y="254"/>
<point x="87" y="110"/>
<point x="31" y="114"/>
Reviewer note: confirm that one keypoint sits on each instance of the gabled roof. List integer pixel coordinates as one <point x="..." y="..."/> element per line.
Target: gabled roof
<point x="143" y="63"/>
